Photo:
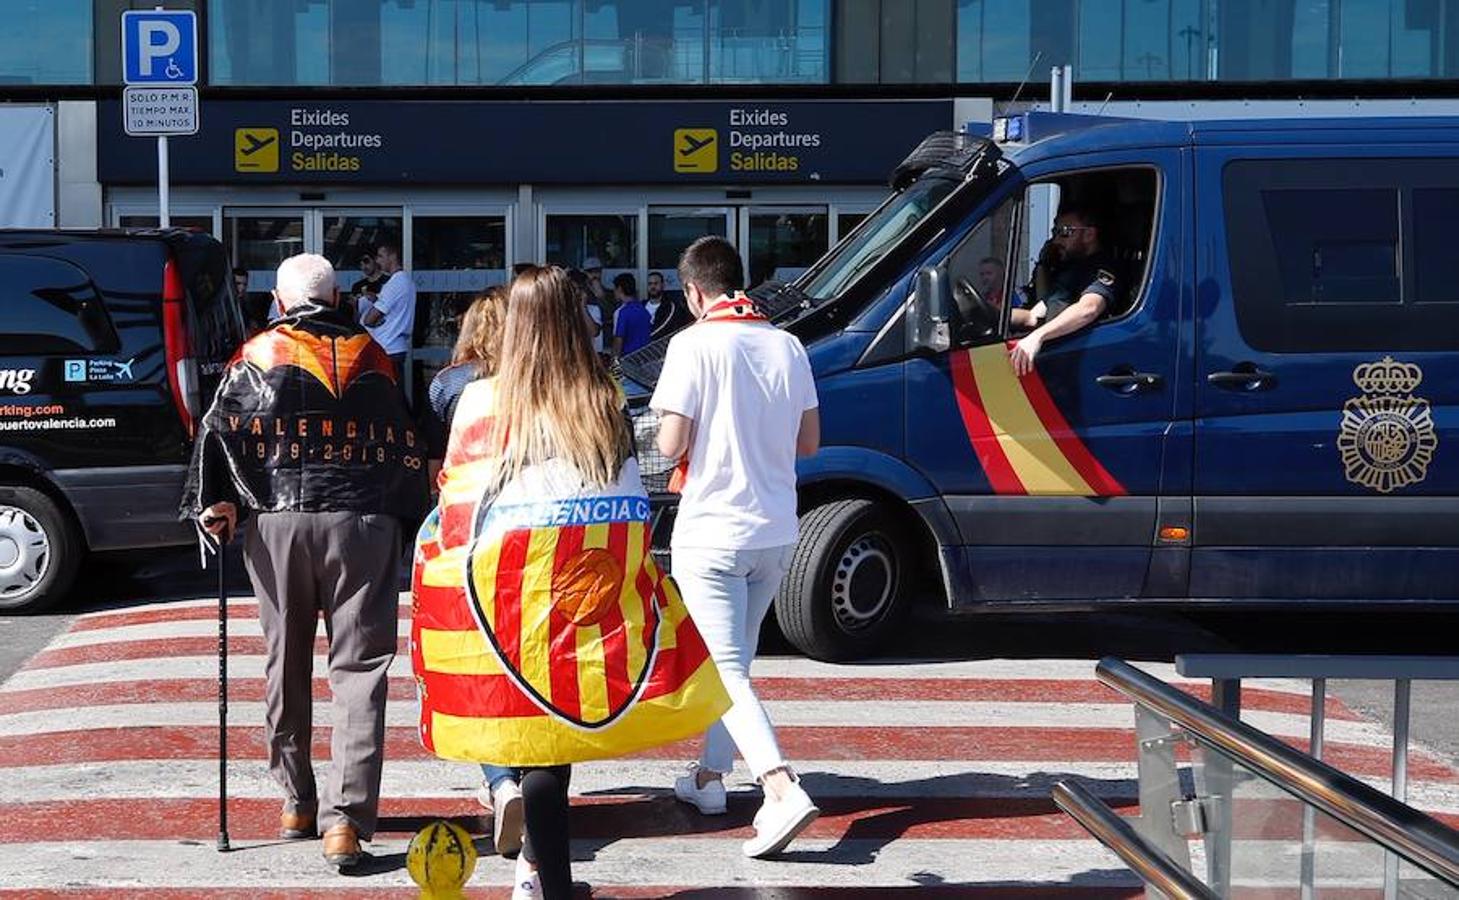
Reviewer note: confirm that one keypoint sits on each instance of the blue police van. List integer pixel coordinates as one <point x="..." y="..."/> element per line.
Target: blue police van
<point x="1266" y="410"/>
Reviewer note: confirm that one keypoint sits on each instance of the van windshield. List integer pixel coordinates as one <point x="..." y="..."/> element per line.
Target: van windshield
<point x="881" y="231"/>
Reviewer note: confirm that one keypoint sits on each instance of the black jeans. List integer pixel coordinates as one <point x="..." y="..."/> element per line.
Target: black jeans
<point x="544" y="795"/>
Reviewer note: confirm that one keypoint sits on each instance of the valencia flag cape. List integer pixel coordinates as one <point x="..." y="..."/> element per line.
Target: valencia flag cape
<point x="542" y="630"/>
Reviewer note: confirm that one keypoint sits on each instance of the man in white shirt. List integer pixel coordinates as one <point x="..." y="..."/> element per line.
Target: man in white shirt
<point x="737" y="402"/>
<point x="391" y="319"/>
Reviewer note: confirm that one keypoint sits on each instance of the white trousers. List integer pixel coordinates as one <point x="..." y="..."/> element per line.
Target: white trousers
<point x="728" y="593"/>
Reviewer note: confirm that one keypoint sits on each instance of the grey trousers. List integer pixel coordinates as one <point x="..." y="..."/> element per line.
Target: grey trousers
<point x="344" y="565"/>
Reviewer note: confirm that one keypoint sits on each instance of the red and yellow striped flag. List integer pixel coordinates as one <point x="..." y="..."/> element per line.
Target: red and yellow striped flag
<point x="543" y="632"/>
<point x="1022" y="441"/>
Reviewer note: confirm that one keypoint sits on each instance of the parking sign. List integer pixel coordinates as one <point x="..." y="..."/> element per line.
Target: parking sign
<point x="160" y="47"/>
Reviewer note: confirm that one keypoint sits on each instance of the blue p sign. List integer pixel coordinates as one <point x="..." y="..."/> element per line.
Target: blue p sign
<point x="159" y="47"/>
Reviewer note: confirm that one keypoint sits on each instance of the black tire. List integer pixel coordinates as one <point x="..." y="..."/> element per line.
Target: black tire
<point x="40" y="550"/>
<point x="847" y="588"/>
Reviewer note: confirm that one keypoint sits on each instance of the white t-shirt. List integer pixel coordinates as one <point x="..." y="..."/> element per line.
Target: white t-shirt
<point x="595" y="313"/>
<point x="746" y="386"/>
<point x="397" y="305"/>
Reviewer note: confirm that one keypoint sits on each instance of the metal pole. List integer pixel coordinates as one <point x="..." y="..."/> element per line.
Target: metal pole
<point x="223" y="845"/>
<point x="1068" y="84"/>
<point x="1056" y="89"/>
<point x="164" y="219"/>
<point x="1401" y="691"/>
<point x="1221" y="780"/>
<point x="1309" y="812"/>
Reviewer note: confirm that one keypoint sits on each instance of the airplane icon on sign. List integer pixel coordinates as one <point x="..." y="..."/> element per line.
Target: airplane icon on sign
<point x="696" y="150"/>
<point x="255" y="144"/>
<point x="693" y="145"/>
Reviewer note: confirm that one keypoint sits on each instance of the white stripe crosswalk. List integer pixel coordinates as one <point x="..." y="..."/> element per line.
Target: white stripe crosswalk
<point x="928" y="772"/>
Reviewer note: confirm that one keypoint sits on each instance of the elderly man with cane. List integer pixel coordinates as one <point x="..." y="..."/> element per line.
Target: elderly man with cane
<point x="309" y="434"/>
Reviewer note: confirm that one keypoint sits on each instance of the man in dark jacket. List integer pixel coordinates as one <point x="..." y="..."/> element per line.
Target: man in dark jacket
<point x="309" y="433"/>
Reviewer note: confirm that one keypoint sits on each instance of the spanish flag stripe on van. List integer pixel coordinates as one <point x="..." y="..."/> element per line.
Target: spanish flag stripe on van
<point x="1020" y="437"/>
<point x="991" y="456"/>
<point x="1097" y="476"/>
<point x="566" y="695"/>
<point x="1040" y="464"/>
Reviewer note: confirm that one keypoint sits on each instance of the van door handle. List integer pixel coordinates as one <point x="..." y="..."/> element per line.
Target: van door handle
<point x="1125" y="381"/>
<point x="1243" y="377"/>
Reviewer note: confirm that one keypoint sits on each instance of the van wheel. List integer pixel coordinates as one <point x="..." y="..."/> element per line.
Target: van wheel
<point x="40" y="552"/>
<point x="846" y="589"/>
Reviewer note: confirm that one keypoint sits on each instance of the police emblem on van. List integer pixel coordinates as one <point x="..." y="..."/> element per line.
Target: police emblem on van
<point x="1387" y="437"/>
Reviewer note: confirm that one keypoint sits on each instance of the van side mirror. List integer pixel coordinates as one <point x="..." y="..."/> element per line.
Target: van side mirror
<point x="930" y="315"/>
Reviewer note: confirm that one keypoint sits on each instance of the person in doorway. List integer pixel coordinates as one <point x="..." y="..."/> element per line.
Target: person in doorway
<point x="391" y="319"/>
<point x="372" y="278"/>
<point x="667" y="314"/>
<point x="255" y="314"/>
<point x="327" y="510"/>
<point x="583" y="284"/>
<point x="738" y="405"/>
<point x="632" y="323"/>
<point x="1074" y="283"/>
<point x="600" y="304"/>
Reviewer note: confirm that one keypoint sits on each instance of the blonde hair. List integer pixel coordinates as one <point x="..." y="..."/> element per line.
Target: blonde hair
<point x="554" y="397"/>
<point x="480" y="340"/>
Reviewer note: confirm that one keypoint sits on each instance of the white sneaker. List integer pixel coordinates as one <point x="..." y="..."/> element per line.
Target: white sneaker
<point x="779" y="821"/>
<point x="506" y="822"/>
<point x="526" y="883"/>
<point x="709" y="800"/>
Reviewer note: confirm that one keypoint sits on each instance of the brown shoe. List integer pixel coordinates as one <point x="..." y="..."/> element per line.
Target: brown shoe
<point x="297" y="827"/>
<point x="342" y="846"/>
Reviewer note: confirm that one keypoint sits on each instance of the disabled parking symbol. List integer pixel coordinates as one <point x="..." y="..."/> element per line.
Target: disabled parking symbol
<point x="696" y="150"/>
<point x="256" y="149"/>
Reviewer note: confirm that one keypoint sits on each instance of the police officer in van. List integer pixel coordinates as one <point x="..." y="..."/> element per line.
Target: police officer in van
<point x="1075" y="282"/>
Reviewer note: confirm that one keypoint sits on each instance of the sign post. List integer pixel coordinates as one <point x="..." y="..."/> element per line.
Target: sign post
<point x="160" y="68"/>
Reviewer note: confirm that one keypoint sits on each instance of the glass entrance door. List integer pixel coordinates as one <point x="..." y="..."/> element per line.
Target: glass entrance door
<point x="258" y="240"/>
<point x="347" y="236"/>
<point x="780" y="242"/>
<point x="672" y="228"/>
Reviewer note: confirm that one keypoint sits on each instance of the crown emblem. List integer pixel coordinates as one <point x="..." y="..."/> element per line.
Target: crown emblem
<point x="1386" y="438"/>
<point x="1387" y="376"/>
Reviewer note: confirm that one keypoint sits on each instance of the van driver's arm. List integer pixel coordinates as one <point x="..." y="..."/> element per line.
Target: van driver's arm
<point x="1082" y="313"/>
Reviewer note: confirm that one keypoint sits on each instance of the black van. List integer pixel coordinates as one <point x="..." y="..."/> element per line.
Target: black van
<point x="111" y="342"/>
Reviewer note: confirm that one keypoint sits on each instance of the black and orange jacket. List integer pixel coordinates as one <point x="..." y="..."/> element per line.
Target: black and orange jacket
<point x="308" y="418"/>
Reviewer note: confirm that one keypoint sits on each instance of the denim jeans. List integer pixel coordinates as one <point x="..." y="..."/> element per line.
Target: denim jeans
<point x="495" y="775"/>
<point x="728" y="593"/>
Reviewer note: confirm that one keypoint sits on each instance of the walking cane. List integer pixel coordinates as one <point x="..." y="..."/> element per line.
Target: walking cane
<point x="217" y="546"/>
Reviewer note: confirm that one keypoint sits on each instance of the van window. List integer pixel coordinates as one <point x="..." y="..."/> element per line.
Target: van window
<point x="1342" y="254"/>
<point x="1335" y="246"/>
<point x="1122" y="203"/>
<point x="1435" y="216"/>
<point x="50" y="306"/>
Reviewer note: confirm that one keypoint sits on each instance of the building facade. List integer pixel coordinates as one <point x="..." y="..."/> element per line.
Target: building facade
<point x="481" y="133"/>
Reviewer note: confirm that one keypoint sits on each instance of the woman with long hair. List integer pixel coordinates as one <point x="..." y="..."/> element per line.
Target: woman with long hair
<point x="478" y="345"/>
<point x="539" y="611"/>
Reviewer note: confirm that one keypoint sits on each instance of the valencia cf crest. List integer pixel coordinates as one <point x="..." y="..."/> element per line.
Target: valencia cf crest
<point x="565" y="593"/>
<point x="1387" y="437"/>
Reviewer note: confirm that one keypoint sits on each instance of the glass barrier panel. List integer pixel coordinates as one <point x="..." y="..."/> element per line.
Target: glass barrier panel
<point x="1265" y="842"/>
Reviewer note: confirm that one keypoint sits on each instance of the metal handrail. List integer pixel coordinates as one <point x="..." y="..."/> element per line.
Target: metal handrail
<point x="1416" y="837"/>
<point x="1154" y="867"/>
